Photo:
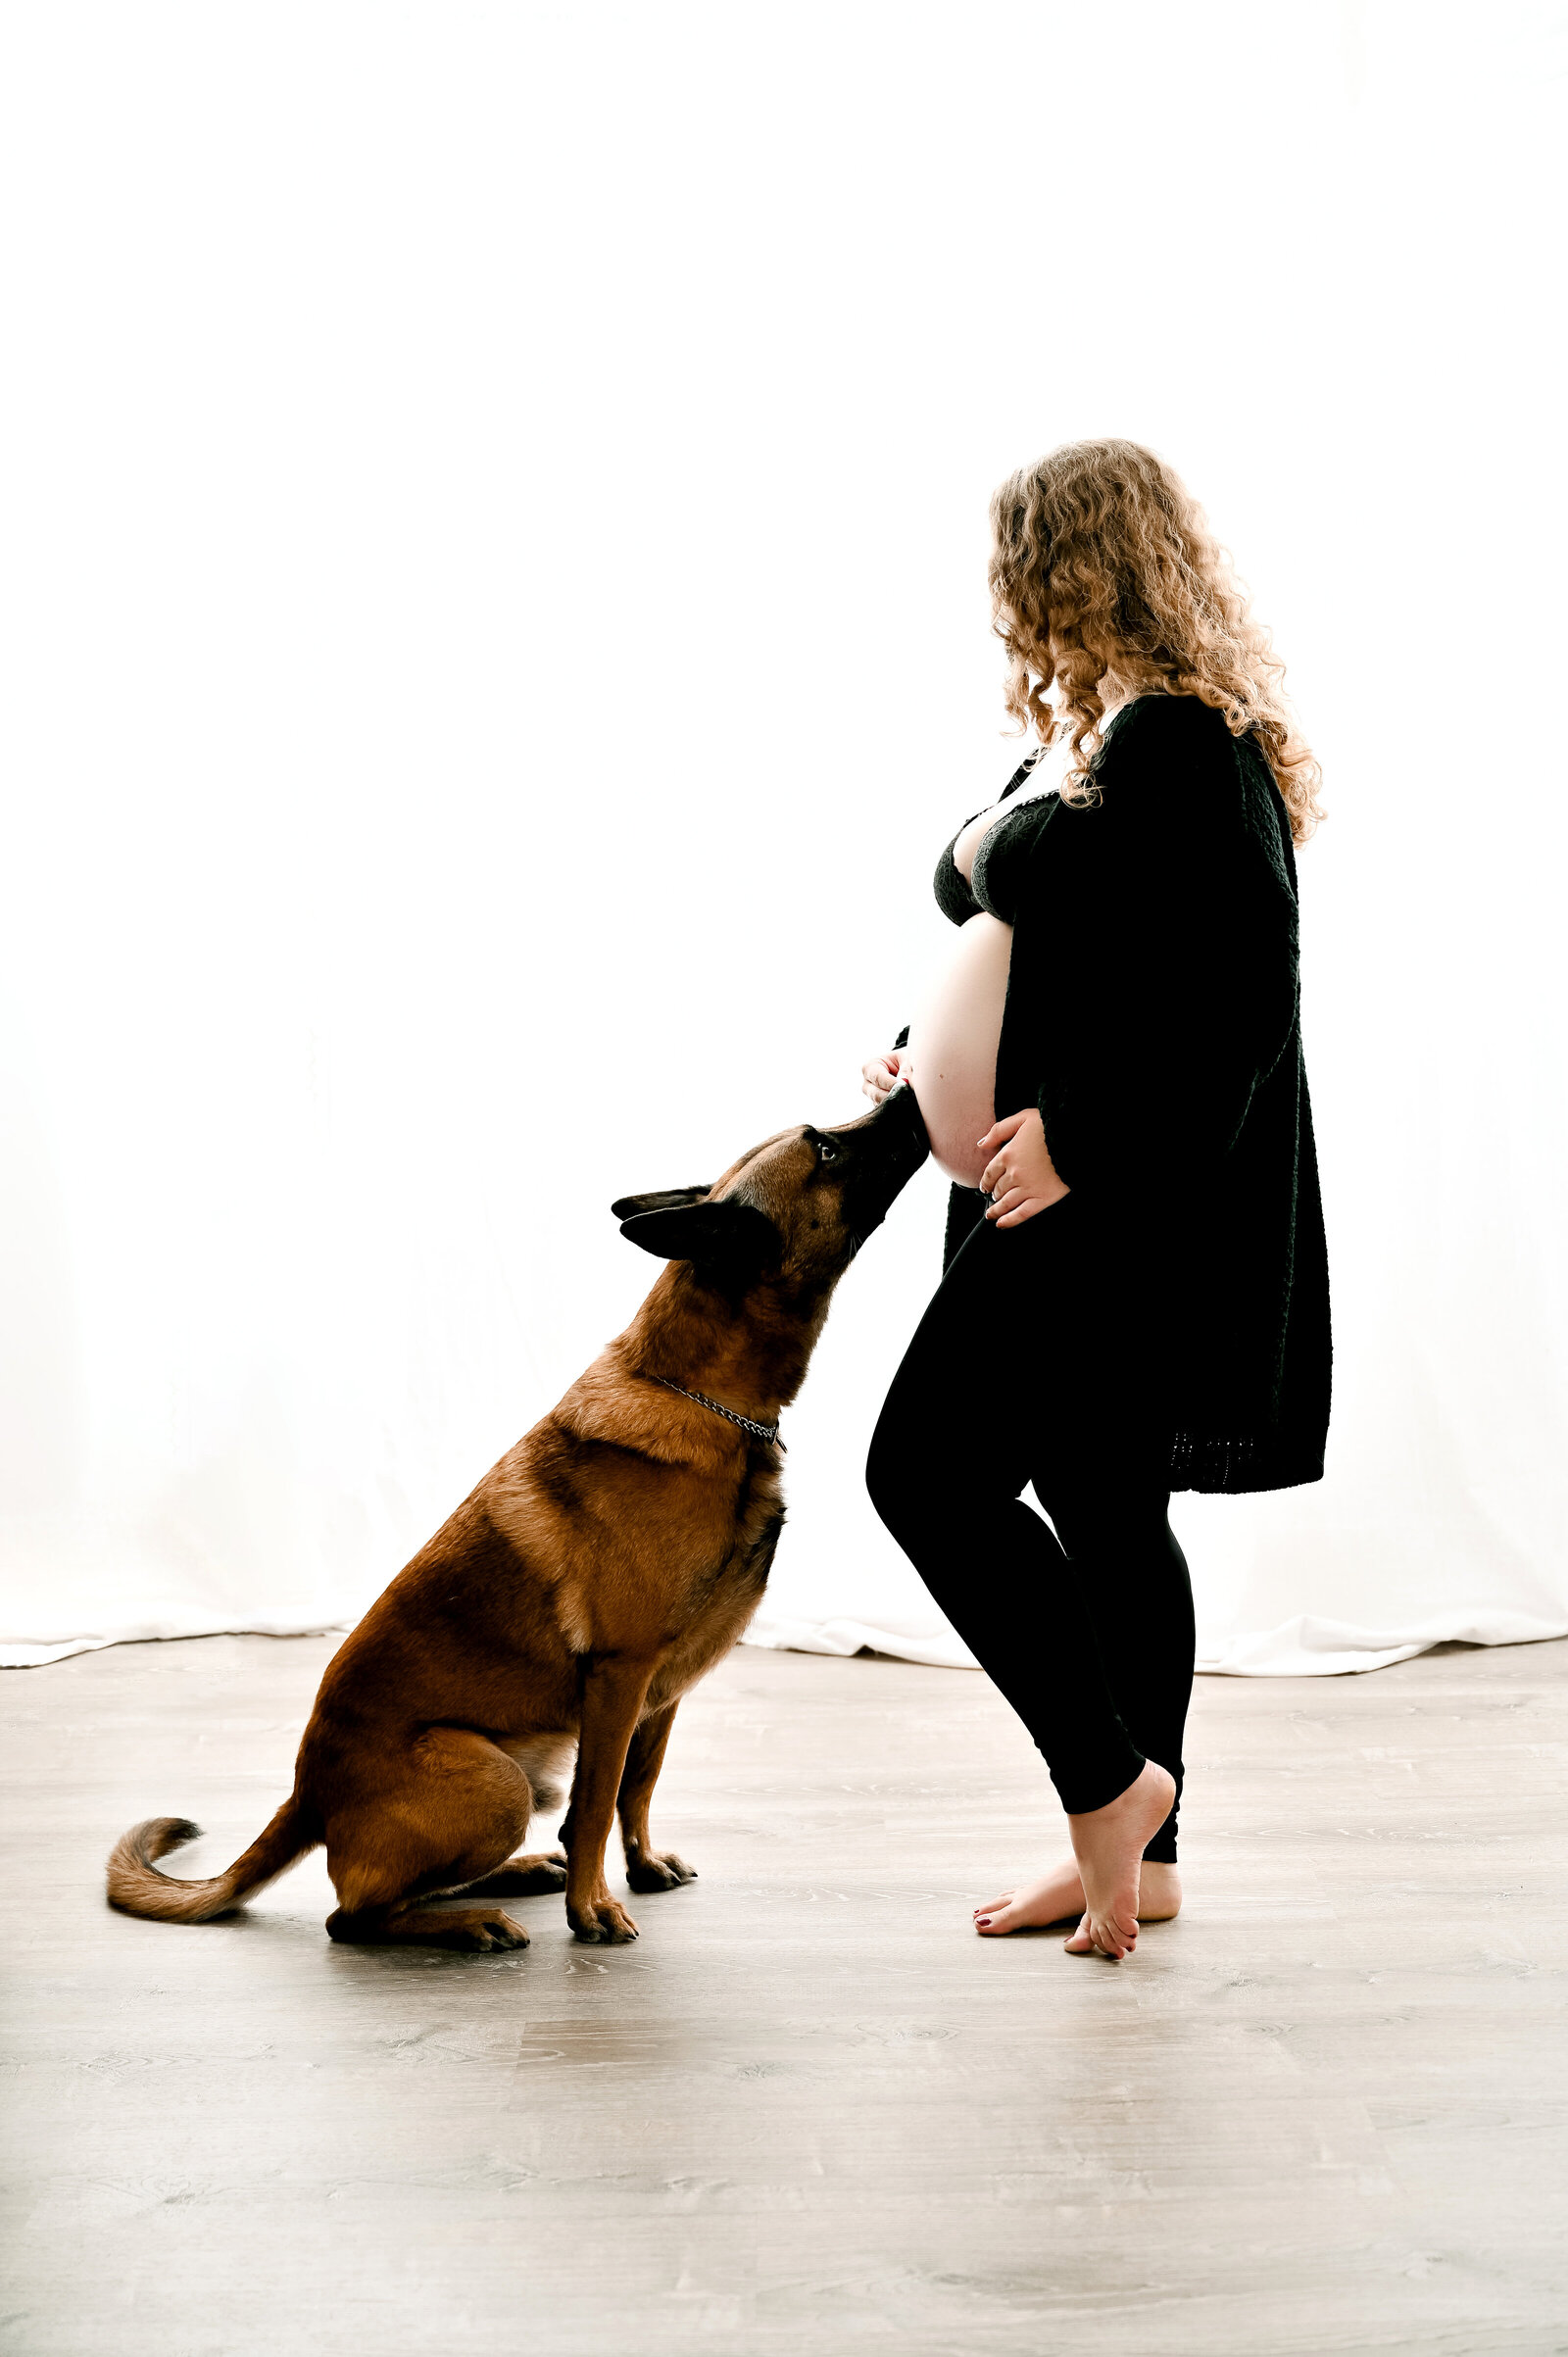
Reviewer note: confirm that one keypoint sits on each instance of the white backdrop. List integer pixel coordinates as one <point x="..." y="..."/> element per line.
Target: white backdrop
<point x="496" y="635"/>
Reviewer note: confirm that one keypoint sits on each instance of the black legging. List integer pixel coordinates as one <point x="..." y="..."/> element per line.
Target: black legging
<point x="1029" y="1367"/>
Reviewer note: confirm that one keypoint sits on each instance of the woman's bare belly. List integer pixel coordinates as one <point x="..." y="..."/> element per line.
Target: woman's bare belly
<point x="952" y="1048"/>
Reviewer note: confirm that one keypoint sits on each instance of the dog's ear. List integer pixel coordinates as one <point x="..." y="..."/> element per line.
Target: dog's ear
<point x="673" y="1199"/>
<point x="732" y="1239"/>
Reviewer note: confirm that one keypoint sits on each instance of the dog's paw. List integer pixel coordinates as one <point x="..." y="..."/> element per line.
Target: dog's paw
<point x="605" y="1923"/>
<point x="659" y="1870"/>
<point x="488" y="1932"/>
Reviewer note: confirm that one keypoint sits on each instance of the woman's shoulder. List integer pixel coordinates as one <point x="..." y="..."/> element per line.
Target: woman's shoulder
<point x="1188" y="789"/>
<point x="1152" y="724"/>
<point x="1175" y="755"/>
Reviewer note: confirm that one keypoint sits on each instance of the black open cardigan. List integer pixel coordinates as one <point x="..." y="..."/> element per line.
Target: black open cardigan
<point x="1154" y="1016"/>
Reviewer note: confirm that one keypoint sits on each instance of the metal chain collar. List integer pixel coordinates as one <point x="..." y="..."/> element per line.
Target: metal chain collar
<point x="760" y="1432"/>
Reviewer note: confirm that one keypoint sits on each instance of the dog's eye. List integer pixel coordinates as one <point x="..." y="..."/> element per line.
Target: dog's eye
<point x="826" y="1150"/>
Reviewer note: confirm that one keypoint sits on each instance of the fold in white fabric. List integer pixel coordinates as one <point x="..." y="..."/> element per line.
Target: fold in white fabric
<point x="17" y="1655"/>
<point x="1307" y="1646"/>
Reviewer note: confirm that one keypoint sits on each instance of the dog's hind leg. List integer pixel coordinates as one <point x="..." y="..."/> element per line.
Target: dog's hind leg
<point x="520" y="1877"/>
<point x="442" y="1818"/>
<point x="647" y="1868"/>
<point x="545" y="1759"/>
<point x="542" y="1759"/>
<point x="480" y="1928"/>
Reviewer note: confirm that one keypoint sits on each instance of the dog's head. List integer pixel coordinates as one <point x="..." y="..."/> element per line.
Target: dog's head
<point x="797" y="1208"/>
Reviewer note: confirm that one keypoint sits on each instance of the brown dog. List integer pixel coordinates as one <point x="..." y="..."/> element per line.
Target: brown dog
<point x="596" y="1572"/>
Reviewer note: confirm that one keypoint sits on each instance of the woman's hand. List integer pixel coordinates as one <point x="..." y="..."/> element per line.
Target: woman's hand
<point x="881" y="1077"/>
<point x="1021" y="1176"/>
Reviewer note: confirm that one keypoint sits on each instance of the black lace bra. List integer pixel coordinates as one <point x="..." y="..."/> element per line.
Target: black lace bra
<point x="990" y="892"/>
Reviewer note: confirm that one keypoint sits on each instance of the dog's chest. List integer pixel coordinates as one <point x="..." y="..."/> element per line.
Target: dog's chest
<point x="726" y="1590"/>
<point x="759" y="1519"/>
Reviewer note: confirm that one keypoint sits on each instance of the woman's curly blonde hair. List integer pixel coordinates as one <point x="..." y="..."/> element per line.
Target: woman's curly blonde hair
<point x="1103" y="562"/>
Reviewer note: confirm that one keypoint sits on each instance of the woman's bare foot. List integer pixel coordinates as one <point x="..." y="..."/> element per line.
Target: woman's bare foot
<point x="1058" y="1897"/>
<point x="1108" y="1845"/>
<point x="1051" y="1900"/>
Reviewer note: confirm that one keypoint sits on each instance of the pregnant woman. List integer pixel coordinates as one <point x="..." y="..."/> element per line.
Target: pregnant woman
<point x="1135" y="1288"/>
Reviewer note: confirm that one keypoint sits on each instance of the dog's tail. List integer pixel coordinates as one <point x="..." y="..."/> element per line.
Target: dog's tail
<point x="136" y="1887"/>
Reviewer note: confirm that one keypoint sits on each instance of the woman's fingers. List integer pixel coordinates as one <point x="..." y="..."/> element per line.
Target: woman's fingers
<point x="1001" y="1132"/>
<point x="1010" y="1200"/>
<point x="1026" y="1207"/>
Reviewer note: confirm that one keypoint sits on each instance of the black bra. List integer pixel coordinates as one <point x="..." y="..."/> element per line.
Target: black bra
<point x="956" y="899"/>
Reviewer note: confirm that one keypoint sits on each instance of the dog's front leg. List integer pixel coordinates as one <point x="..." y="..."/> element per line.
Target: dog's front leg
<point x="647" y="1868"/>
<point x="613" y="1687"/>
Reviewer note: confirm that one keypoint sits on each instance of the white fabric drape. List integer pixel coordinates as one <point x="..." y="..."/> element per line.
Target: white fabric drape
<point x="497" y="629"/>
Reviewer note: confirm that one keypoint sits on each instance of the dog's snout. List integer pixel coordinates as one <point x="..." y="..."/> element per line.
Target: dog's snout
<point x="898" y="1131"/>
<point x="892" y="1145"/>
<point x="909" y="1132"/>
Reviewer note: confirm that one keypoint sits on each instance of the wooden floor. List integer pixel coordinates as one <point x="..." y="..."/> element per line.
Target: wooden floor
<point x="809" y="2111"/>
